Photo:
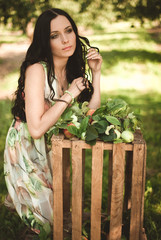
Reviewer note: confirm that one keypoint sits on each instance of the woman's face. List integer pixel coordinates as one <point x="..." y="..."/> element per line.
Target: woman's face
<point x="62" y="37"/>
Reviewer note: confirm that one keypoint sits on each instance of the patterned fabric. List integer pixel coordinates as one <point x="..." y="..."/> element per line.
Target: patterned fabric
<point x="28" y="174"/>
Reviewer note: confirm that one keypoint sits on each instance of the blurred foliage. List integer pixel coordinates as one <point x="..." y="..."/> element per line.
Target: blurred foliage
<point x="19" y="13"/>
<point x="139" y="9"/>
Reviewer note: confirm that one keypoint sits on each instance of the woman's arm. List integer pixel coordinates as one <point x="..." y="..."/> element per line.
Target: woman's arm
<point x="39" y="120"/>
<point x="95" y="62"/>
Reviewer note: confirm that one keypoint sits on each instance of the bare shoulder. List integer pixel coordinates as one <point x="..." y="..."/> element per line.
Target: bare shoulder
<point x="35" y="78"/>
<point x="35" y="68"/>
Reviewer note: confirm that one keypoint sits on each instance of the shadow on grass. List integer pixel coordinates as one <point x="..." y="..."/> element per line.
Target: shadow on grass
<point x="111" y="58"/>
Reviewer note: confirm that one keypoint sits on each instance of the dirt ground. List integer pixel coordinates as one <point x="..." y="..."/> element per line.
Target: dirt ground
<point x="12" y="56"/>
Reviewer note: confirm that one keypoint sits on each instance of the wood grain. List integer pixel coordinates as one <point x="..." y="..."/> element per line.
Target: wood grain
<point x="117" y="191"/>
<point x="137" y="188"/>
<point x="96" y="190"/>
<point x="58" y="190"/>
<point x="76" y="190"/>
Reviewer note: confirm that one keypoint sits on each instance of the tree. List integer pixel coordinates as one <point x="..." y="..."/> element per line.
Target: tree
<point x="139" y="9"/>
<point x="20" y="12"/>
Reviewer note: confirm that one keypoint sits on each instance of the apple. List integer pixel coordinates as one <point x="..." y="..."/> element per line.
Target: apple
<point x="67" y="133"/>
<point x="90" y="113"/>
<point x="84" y="238"/>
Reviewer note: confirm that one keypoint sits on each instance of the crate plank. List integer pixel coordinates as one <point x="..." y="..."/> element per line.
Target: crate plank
<point x="58" y="190"/>
<point x="143" y="191"/>
<point x="117" y="192"/>
<point x="76" y="190"/>
<point x="107" y="146"/>
<point x="96" y="190"/>
<point x="83" y="177"/>
<point x="137" y="186"/>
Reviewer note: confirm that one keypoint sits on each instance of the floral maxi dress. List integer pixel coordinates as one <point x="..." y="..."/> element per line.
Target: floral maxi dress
<point x="28" y="173"/>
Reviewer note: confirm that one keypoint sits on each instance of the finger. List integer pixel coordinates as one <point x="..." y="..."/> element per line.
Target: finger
<point x="92" y="49"/>
<point x="78" y="79"/>
<point x="92" y="54"/>
<point x="96" y="58"/>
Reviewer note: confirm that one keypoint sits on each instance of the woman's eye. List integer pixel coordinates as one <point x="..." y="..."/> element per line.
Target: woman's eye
<point x="54" y="36"/>
<point x="69" y="30"/>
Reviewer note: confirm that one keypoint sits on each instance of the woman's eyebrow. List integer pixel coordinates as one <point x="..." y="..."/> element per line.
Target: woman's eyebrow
<point x="64" y="29"/>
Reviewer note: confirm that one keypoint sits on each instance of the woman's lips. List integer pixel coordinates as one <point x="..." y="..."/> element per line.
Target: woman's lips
<point x="67" y="48"/>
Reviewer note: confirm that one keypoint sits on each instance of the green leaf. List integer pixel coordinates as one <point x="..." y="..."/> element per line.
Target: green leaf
<point x="108" y="138"/>
<point x="76" y="109"/>
<point x="101" y="126"/>
<point x="96" y="118"/>
<point x="126" y="123"/>
<point x="99" y="111"/>
<point x="118" y="141"/>
<point x="92" y="142"/>
<point x="83" y="125"/>
<point x="91" y="133"/>
<point x="73" y="130"/>
<point x="117" y="107"/>
<point x="62" y="125"/>
<point x="66" y="116"/>
<point x="135" y="123"/>
<point x="55" y="131"/>
<point x="113" y="120"/>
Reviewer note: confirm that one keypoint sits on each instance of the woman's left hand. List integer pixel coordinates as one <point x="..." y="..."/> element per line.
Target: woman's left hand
<point x="94" y="60"/>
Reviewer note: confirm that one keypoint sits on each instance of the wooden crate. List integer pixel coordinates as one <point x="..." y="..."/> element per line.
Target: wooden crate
<point x="126" y="183"/>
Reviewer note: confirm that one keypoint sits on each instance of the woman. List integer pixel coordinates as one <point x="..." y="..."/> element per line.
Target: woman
<point x="51" y="77"/>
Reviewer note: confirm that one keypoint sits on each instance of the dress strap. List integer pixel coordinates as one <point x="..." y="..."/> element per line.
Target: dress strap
<point x="47" y="89"/>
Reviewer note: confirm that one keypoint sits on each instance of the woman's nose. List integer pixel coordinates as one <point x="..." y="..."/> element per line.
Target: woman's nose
<point x="64" y="38"/>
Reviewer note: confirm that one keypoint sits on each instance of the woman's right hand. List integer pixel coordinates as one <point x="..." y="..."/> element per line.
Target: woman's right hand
<point x="77" y="86"/>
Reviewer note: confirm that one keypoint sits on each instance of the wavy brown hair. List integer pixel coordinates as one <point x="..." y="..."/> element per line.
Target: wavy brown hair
<point x="40" y="50"/>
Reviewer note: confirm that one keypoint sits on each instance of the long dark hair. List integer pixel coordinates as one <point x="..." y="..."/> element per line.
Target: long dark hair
<point x="40" y="50"/>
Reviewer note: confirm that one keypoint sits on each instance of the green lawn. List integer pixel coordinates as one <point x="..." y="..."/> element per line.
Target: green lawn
<point x="131" y="70"/>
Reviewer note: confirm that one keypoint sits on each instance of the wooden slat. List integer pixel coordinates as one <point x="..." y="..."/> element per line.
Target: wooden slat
<point x="83" y="177"/>
<point x="96" y="190"/>
<point x="58" y="190"/>
<point x="66" y="179"/>
<point x="107" y="146"/>
<point x="137" y="186"/>
<point x="128" y="180"/>
<point x="117" y="192"/>
<point x="109" y="183"/>
<point x="76" y="190"/>
<point x="143" y="190"/>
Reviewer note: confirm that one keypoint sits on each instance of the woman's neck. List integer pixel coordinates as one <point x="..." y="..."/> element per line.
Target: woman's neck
<point x="60" y="67"/>
<point x="60" y="73"/>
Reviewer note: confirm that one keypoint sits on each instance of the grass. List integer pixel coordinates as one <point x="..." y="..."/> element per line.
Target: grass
<point x="131" y="70"/>
<point x="130" y="59"/>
